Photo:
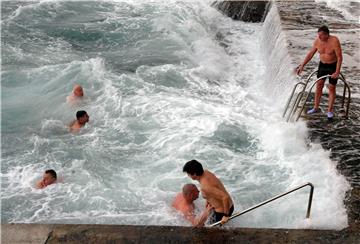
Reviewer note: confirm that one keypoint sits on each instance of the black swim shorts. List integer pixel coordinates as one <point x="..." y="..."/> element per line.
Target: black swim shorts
<point x="327" y="69"/>
<point x="216" y="217"/>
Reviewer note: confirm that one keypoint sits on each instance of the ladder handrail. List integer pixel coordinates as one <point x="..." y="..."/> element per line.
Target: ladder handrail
<point x="274" y="198"/>
<point x="292" y="94"/>
<point x="346" y="85"/>
<point x="303" y="94"/>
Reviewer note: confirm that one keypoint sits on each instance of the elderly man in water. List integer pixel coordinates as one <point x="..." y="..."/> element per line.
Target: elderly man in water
<point x="76" y="95"/>
<point x="184" y="203"/>
<point x="49" y="178"/>
<point x="81" y="119"/>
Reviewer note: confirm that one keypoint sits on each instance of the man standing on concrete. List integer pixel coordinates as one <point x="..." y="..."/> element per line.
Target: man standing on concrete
<point x="330" y="52"/>
<point x="212" y="190"/>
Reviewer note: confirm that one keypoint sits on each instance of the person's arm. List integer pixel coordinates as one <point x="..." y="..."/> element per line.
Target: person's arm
<point x="338" y="53"/>
<point x="204" y="216"/>
<point x="307" y="59"/>
<point x="190" y="216"/>
<point x="40" y="185"/>
<point x="225" y="199"/>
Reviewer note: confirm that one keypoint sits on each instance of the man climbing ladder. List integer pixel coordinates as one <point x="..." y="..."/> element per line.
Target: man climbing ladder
<point x="330" y="52"/>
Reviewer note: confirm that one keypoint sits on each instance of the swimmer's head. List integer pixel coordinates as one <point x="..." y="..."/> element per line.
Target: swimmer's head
<point x="323" y="33"/>
<point x="78" y="91"/>
<point x="49" y="177"/>
<point x="194" y="169"/>
<point x="82" y="116"/>
<point x="190" y="192"/>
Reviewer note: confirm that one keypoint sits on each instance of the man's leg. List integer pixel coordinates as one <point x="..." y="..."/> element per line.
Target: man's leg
<point x="318" y="93"/>
<point x="332" y="94"/>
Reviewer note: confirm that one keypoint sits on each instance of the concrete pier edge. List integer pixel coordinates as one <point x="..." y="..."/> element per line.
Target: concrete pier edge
<point x="81" y="233"/>
<point x="72" y="233"/>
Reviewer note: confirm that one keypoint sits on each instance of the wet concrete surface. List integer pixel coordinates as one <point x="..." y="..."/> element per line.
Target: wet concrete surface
<point x="78" y="234"/>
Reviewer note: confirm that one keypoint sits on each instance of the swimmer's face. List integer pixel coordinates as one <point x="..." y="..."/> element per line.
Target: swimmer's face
<point x="323" y="36"/>
<point x="48" y="179"/>
<point x="78" y="91"/>
<point x="195" y="194"/>
<point x="85" y="118"/>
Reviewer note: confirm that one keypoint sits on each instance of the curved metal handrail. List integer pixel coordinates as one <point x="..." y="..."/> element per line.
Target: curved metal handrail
<point x="292" y="94"/>
<point x="346" y="86"/>
<point x="301" y="94"/>
<point x="296" y="103"/>
<point x="273" y="199"/>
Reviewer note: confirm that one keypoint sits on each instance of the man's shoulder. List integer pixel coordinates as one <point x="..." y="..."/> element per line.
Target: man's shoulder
<point x="316" y="41"/>
<point x="334" y="39"/>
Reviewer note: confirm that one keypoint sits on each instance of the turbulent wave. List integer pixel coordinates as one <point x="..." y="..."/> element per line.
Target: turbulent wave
<point x="165" y="82"/>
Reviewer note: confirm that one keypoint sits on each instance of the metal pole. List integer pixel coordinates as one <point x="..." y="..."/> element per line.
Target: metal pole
<point x="274" y="198"/>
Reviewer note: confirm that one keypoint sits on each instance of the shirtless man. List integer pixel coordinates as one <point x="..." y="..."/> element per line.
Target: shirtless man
<point x="81" y="119"/>
<point x="184" y="202"/>
<point x="49" y="178"/>
<point x="212" y="190"/>
<point x="330" y="52"/>
<point x="76" y="94"/>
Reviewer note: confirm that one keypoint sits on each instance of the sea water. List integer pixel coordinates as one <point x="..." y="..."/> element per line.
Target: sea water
<point x="165" y="82"/>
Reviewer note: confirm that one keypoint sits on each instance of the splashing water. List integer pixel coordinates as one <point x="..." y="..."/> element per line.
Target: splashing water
<point x="165" y="82"/>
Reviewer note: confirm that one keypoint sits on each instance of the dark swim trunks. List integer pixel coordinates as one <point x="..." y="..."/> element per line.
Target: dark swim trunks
<point x="216" y="217"/>
<point x="327" y="69"/>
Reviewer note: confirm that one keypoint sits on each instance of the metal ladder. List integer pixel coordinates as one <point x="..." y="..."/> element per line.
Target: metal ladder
<point x="303" y="96"/>
<point x="274" y="198"/>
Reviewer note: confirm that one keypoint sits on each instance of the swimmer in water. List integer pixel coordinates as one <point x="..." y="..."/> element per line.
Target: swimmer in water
<point x="76" y="95"/>
<point x="49" y="178"/>
<point x="81" y="119"/>
<point x="184" y="203"/>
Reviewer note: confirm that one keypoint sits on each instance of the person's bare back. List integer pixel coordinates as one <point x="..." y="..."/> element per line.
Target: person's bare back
<point x="211" y="187"/>
<point x="75" y="126"/>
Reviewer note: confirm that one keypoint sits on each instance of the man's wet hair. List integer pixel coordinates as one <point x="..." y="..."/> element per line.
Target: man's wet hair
<point x="52" y="173"/>
<point x="193" y="167"/>
<point x="325" y="29"/>
<point x="80" y="114"/>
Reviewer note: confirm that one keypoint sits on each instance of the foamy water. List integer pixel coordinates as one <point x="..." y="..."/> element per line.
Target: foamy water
<point x="348" y="8"/>
<point x="165" y="82"/>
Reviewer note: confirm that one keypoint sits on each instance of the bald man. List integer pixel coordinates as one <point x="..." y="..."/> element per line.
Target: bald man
<point x="184" y="203"/>
<point x="76" y="95"/>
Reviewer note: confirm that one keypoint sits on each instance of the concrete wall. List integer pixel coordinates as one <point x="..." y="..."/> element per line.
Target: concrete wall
<point x="76" y="234"/>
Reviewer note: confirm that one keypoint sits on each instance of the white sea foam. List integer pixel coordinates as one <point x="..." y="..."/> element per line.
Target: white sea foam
<point x="348" y="8"/>
<point x="171" y="93"/>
